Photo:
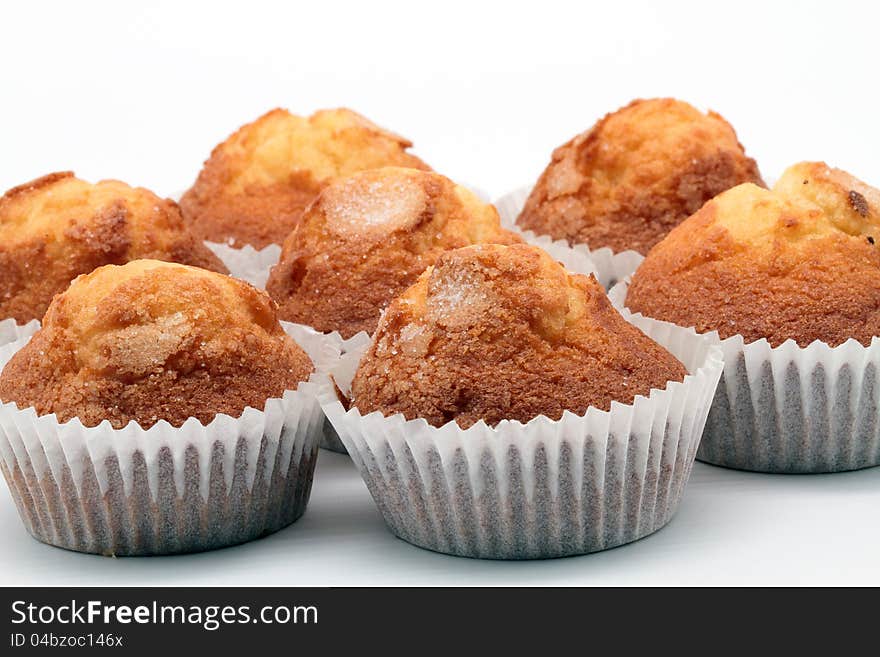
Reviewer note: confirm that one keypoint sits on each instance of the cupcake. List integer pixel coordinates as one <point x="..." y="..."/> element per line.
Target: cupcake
<point x="505" y="409"/>
<point x="626" y="182"/>
<point x="57" y="227"/>
<point x="789" y="279"/>
<point x="368" y="237"/>
<point x="160" y="408"/>
<point x="256" y="184"/>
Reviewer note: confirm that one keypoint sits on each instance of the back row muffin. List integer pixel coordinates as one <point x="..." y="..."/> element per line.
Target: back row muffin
<point x="366" y="238"/>
<point x="256" y="184"/>
<point x="57" y="227"/>
<point x="635" y="175"/>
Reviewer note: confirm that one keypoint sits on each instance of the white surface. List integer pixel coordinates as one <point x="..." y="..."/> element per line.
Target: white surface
<point x="142" y="92"/>
<point x="732" y="528"/>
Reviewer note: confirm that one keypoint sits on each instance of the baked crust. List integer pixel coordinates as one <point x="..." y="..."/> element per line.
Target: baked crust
<point x="494" y="332"/>
<point x="256" y="184"/>
<point x="366" y="238"/>
<point x="57" y="227"/>
<point x="152" y="341"/>
<point x="635" y="175"/>
<point x="798" y="262"/>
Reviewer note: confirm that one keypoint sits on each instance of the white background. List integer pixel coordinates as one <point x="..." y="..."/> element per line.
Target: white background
<point x="486" y="91"/>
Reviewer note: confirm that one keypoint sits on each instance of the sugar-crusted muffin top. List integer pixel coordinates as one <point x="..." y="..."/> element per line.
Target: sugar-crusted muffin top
<point x="255" y="184"/>
<point x="635" y="175"/>
<point x="366" y="238"/>
<point x="151" y="340"/>
<point x="796" y="262"/>
<point x="56" y="227"/>
<point x="497" y="332"/>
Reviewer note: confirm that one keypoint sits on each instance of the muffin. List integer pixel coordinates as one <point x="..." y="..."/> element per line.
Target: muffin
<point x="152" y="341"/>
<point x="790" y="280"/>
<point x="798" y="262"/>
<point x="635" y="175"/>
<point x="505" y="333"/>
<point x="256" y="184"/>
<point x="505" y="410"/>
<point x="160" y="408"/>
<point x="366" y="238"/>
<point x="57" y="227"/>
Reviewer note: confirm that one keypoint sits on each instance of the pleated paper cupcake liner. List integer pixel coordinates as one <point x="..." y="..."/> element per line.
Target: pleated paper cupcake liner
<point x="165" y="489"/>
<point x="792" y="409"/>
<point x="357" y="343"/>
<point x="10" y="330"/>
<point x="541" y="489"/>
<point x="247" y="263"/>
<point x="610" y="267"/>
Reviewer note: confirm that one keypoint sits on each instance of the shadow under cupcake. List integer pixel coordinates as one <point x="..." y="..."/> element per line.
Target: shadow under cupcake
<point x="505" y="409"/>
<point x="160" y="409"/>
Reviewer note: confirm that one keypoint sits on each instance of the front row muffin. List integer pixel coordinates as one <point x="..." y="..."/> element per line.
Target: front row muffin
<point x="790" y="280"/>
<point x="493" y="333"/>
<point x="505" y="409"/>
<point x="366" y="238"/>
<point x="57" y="227"/>
<point x="172" y="409"/>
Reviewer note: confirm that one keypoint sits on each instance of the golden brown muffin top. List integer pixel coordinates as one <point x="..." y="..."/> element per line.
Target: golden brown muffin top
<point x="256" y="184"/>
<point x="152" y="341"/>
<point x="796" y="262"/>
<point x="366" y="238"/>
<point x="635" y="175"/>
<point x="494" y="332"/>
<point x="57" y="227"/>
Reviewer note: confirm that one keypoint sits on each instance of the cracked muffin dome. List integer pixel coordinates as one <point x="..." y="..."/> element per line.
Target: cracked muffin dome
<point x="367" y="238"/>
<point x="797" y="262"/>
<point x="57" y="227"/>
<point x="635" y="175"/>
<point x="150" y="341"/>
<point x="497" y="333"/>
<point x="256" y="184"/>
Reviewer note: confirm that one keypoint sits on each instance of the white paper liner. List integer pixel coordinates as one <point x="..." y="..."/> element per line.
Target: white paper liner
<point x="792" y="409"/>
<point x="609" y="266"/>
<point x="10" y="330"/>
<point x="357" y="343"/>
<point x="164" y="490"/>
<point x="247" y="263"/>
<point x="542" y="489"/>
